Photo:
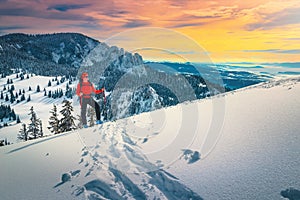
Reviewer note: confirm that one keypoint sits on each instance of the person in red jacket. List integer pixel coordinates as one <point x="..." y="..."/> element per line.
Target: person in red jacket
<point x="84" y="90"/>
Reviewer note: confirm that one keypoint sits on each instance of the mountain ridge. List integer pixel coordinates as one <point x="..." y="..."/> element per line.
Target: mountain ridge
<point x="57" y="54"/>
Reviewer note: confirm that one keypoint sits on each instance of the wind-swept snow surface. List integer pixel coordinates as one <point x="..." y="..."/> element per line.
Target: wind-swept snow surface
<point x="258" y="154"/>
<point x="145" y="157"/>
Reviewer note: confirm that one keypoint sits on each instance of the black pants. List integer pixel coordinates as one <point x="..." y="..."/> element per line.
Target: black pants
<point x="91" y="102"/>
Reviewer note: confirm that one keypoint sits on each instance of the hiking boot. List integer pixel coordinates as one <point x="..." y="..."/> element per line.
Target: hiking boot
<point x="99" y="122"/>
<point x="85" y="126"/>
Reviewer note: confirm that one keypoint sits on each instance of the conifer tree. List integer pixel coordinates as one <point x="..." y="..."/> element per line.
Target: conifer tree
<point x="12" y="88"/>
<point x="33" y="127"/>
<point x="12" y="97"/>
<point x="29" y="98"/>
<point x="54" y="121"/>
<point x="38" y="89"/>
<point x="18" y="119"/>
<point x="13" y="114"/>
<point x="23" y="134"/>
<point x="67" y="122"/>
<point x="22" y="97"/>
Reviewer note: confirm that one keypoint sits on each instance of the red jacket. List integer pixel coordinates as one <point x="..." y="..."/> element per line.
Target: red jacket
<point x="87" y="89"/>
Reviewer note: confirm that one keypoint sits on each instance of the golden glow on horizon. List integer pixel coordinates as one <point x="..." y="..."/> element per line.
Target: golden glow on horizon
<point x="229" y="31"/>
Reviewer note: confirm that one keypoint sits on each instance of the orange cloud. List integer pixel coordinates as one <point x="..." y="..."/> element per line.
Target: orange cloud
<point x="235" y="30"/>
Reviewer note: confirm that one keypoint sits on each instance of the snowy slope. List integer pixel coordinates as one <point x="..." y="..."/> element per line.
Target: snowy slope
<point x="42" y="104"/>
<point x="102" y="163"/>
<point x="256" y="156"/>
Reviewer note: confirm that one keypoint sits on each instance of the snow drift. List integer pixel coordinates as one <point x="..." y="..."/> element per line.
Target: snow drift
<point x="256" y="157"/>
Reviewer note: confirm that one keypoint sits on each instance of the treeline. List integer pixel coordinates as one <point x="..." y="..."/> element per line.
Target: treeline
<point x="10" y="94"/>
<point x="58" y="93"/>
<point x="6" y="112"/>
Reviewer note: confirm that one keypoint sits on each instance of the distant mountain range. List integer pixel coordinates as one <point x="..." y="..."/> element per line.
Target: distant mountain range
<point x="135" y="86"/>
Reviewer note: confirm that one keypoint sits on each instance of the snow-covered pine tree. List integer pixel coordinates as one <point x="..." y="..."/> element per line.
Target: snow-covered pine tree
<point x="12" y="88"/>
<point x="38" y="89"/>
<point x="61" y="93"/>
<point x="6" y="142"/>
<point x="29" y="98"/>
<point x="67" y="122"/>
<point x="33" y="126"/>
<point x="13" y="114"/>
<point x="54" y="121"/>
<point x="22" y="97"/>
<point x="68" y="93"/>
<point x="18" y="119"/>
<point x="12" y="97"/>
<point x="91" y="114"/>
<point x="23" y="134"/>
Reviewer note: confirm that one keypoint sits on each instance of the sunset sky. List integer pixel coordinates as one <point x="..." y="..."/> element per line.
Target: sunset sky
<point x="228" y="30"/>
